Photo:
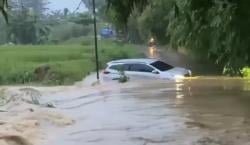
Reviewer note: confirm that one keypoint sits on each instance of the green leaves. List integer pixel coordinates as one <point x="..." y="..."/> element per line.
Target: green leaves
<point x="219" y="32"/>
<point x="3" y="8"/>
<point x="122" y="10"/>
<point x="214" y="30"/>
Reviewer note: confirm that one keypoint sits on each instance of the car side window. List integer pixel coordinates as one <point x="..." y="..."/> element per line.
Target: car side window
<point x="116" y="67"/>
<point x="125" y="67"/>
<point x="141" y="68"/>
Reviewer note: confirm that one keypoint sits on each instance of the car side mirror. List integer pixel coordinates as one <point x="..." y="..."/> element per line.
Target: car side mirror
<point x="155" y="72"/>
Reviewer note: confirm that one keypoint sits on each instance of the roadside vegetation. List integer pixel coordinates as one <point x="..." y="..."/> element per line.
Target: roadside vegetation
<point x="246" y="72"/>
<point x="214" y="31"/>
<point x="52" y="47"/>
<point x="56" y="64"/>
<point x="211" y="30"/>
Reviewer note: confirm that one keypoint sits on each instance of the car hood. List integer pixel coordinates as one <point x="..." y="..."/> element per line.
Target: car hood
<point x="178" y="71"/>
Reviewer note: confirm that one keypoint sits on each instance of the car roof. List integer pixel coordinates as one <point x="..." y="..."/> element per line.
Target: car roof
<point x="140" y="60"/>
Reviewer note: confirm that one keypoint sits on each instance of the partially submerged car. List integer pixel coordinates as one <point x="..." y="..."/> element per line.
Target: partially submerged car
<point x="144" y="69"/>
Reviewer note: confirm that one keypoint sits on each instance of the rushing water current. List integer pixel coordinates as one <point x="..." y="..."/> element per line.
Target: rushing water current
<point x="200" y="111"/>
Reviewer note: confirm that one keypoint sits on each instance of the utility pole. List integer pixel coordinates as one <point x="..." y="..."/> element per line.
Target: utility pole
<point x="96" y="44"/>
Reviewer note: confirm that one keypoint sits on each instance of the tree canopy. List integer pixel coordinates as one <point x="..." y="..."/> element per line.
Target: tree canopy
<point x="29" y="23"/>
<point x="123" y="9"/>
<point x="215" y="30"/>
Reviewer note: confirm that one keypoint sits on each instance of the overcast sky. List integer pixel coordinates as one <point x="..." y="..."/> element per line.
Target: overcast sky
<point x="61" y="4"/>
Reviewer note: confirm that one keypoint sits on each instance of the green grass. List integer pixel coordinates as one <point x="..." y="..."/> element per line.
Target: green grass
<point x="79" y="40"/>
<point x="67" y="62"/>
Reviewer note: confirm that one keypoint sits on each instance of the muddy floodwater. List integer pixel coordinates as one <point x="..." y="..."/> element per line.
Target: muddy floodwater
<point x="199" y="111"/>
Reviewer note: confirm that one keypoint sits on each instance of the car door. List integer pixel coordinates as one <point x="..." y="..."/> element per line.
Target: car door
<point x="141" y="71"/>
<point x="114" y="71"/>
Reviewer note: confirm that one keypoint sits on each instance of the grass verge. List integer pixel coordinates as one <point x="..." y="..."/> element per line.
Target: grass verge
<point x="56" y="64"/>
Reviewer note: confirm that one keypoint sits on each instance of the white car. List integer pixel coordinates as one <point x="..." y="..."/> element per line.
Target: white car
<point x="144" y="69"/>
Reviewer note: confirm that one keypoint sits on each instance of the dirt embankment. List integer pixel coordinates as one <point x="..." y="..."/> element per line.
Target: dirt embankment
<point x="23" y="115"/>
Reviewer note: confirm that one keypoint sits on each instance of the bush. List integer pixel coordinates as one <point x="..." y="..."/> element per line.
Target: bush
<point x="245" y="72"/>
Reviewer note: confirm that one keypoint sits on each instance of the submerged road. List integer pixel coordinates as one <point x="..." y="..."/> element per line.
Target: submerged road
<point x="204" y="111"/>
<point x="196" y="111"/>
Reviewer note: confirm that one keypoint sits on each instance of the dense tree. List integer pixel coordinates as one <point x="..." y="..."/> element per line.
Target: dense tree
<point x="123" y="9"/>
<point x="3" y="8"/>
<point x="215" y="30"/>
<point x="73" y="25"/>
<point x="26" y="28"/>
<point x="26" y="24"/>
<point x="99" y="4"/>
<point x="3" y="32"/>
<point x="154" y="20"/>
<point x="38" y="6"/>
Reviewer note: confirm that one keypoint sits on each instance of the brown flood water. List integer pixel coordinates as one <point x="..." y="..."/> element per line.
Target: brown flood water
<point x="200" y="111"/>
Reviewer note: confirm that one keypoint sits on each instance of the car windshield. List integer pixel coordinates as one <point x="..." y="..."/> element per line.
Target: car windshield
<point x="162" y="66"/>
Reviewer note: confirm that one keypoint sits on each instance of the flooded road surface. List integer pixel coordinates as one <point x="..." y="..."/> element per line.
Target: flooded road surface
<point x="201" y="111"/>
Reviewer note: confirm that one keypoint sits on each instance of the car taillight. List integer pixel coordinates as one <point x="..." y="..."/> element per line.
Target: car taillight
<point x="106" y="72"/>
